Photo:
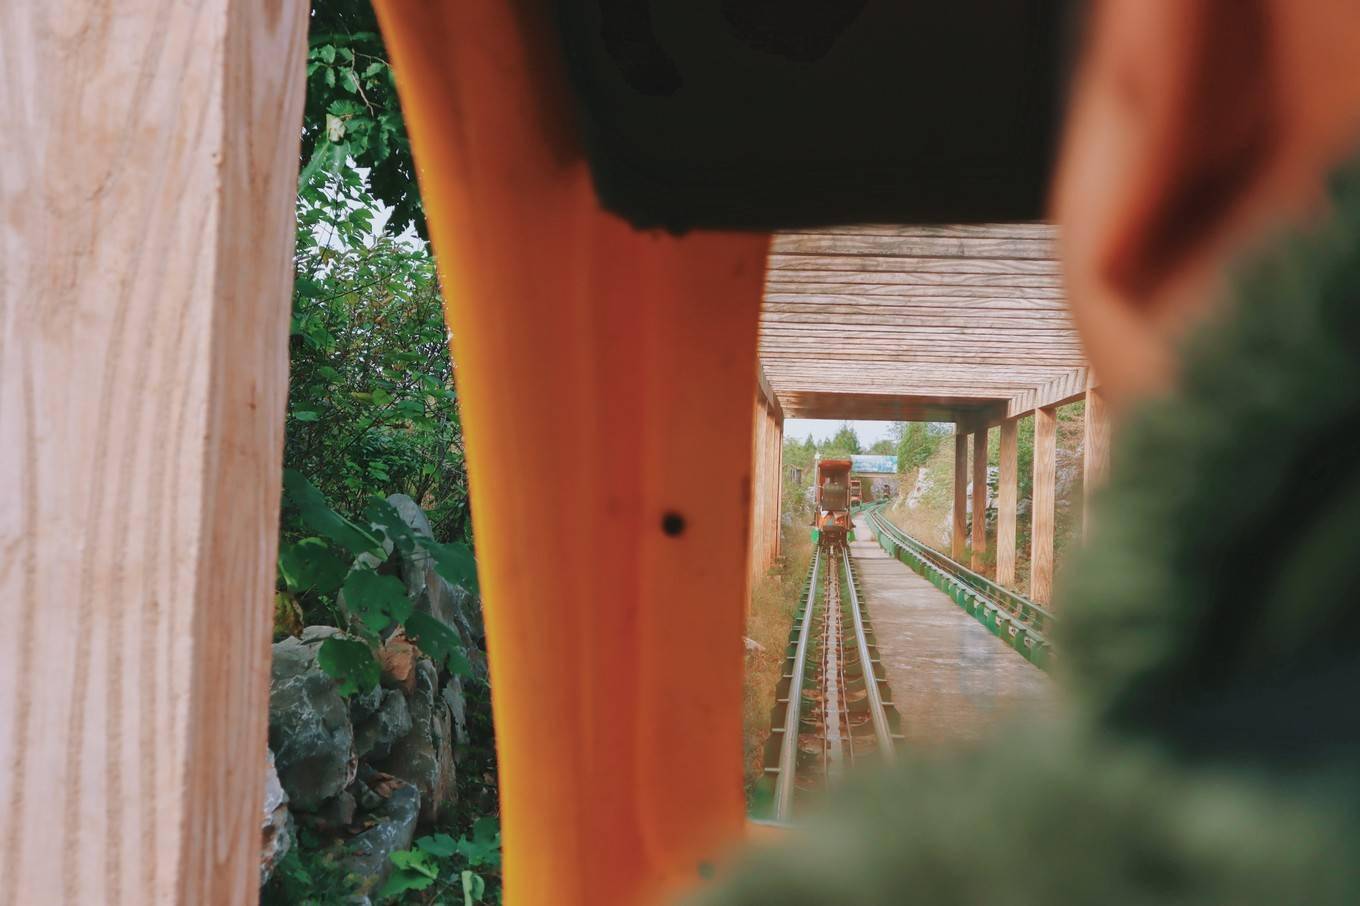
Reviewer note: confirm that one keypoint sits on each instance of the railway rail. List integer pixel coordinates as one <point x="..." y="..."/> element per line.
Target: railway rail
<point x="831" y="711"/>
<point x="1013" y="618"/>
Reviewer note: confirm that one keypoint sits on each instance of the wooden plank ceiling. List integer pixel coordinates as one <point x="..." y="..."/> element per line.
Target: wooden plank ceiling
<point x="940" y="323"/>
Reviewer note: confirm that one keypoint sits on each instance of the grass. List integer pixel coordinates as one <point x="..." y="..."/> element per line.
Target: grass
<point x="774" y="598"/>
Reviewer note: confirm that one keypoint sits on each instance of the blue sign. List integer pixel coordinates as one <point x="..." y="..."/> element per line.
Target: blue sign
<point x="873" y="464"/>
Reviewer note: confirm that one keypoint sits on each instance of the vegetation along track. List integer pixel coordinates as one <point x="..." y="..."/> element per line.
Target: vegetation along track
<point x="1013" y="618"/>
<point x="830" y="710"/>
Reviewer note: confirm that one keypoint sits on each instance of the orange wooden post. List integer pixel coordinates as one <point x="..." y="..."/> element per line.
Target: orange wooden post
<point x="609" y="365"/>
<point x="979" y="496"/>
<point x="150" y="174"/>
<point x="960" y="515"/>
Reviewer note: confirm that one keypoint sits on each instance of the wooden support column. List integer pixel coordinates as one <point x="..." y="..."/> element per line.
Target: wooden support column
<point x="1096" y="460"/>
<point x="613" y="599"/>
<point x="979" y="497"/>
<point x="959" y="544"/>
<point x="150" y="162"/>
<point x="757" y="492"/>
<point x="1007" y="493"/>
<point x="777" y="479"/>
<point x="1041" y="512"/>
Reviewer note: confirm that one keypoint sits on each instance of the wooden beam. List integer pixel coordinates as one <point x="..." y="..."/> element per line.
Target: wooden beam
<point x="1096" y="458"/>
<point x="1066" y="388"/>
<point x="959" y="516"/>
<point x="766" y="391"/>
<point x="979" y="497"/>
<point x="912" y="246"/>
<point x="828" y="263"/>
<point x="1008" y="481"/>
<point x="1011" y="230"/>
<point x="1041" y="512"/>
<point x="151" y="161"/>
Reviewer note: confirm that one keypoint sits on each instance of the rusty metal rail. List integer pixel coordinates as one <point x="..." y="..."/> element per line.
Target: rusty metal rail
<point x="878" y="710"/>
<point x="788" y="747"/>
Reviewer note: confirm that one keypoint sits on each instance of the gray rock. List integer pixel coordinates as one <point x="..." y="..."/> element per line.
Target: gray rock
<point x="394" y="830"/>
<point x="453" y="697"/>
<point x="424" y="757"/>
<point x="364" y="706"/>
<point x="276" y="830"/>
<point x="375" y="737"/>
<point x="319" y="633"/>
<point x="455" y="606"/>
<point x="335" y="814"/>
<point x="309" y="725"/>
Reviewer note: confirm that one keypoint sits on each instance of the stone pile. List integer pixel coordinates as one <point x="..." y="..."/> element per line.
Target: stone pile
<point x="368" y="770"/>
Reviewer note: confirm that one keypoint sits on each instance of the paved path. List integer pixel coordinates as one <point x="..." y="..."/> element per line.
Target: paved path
<point x="951" y="679"/>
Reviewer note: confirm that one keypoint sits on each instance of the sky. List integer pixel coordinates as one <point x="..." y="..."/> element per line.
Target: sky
<point x="822" y="429"/>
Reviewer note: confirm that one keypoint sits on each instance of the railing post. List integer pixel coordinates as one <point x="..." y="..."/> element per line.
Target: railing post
<point x="1096" y="459"/>
<point x="960" y="515"/>
<point x="1041" y="512"/>
<point x="1007" y="493"/>
<point x="979" y="497"/>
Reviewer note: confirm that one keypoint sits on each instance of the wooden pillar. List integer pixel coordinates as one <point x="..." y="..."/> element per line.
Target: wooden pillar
<point x="778" y="479"/>
<point x="631" y="353"/>
<point x="1041" y="513"/>
<point x="1096" y="460"/>
<point x="979" y="497"/>
<point x="757" y="492"/>
<point x="1007" y="493"/>
<point x="150" y="175"/>
<point x="958" y="547"/>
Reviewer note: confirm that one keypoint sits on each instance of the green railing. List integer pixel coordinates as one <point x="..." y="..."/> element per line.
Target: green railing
<point x="1013" y="618"/>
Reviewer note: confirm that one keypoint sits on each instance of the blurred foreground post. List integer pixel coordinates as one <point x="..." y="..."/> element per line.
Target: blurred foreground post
<point x="146" y="194"/>
<point x="615" y="369"/>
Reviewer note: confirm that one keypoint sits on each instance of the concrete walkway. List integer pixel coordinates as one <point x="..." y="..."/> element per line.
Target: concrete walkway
<point x="951" y="679"/>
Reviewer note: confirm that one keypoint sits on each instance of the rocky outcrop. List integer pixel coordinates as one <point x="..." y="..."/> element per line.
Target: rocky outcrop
<point x="363" y="772"/>
<point x="309" y="723"/>
<point x="424" y="756"/>
<point x="276" y="829"/>
<point x="394" y="827"/>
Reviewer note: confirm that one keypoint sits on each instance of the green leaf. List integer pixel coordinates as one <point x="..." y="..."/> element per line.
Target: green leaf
<point x="309" y="564"/>
<point x="382" y="514"/>
<point x="398" y="882"/>
<point x="441" y="846"/>
<point x="381" y="397"/>
<point x="453" y="561"/>
<point x="330" y="76"/>
<point x="304" y="416"/>
<point x="335" y="128"/>
<point x="415" y="860"/>
<point x="350" y="662"/>
<point x="326" y="52"/>
<point x="474" y="887"/>
<point x="440" y="642"/>
<point x="377" y="600"/>
<point x="317" y="514"/>
<point x="374" y="68"/>
<point x="349" y="81"/>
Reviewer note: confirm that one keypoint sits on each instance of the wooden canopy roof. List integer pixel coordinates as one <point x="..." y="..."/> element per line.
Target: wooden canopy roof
<point x="938" y="323"/>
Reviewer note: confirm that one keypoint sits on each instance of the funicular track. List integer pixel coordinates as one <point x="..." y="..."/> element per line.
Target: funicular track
<point x="1013" y="618"/>
<point x="831" y="711"/>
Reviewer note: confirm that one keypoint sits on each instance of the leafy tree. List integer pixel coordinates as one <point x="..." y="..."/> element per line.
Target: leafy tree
<point x="843" y="443"/>
<point x="884" y="447"/>
<point x="916" y="443"/>
<point x="352" y="116"/>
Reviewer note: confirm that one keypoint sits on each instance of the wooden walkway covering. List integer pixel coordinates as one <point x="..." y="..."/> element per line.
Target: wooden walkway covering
<point x="932" y="323"/>
<point x="962" y="324"/>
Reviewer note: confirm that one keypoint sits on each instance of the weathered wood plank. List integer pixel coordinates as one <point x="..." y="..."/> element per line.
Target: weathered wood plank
<point x="1034" y="328"/>
<point x="1012" y="230"/>
<point x="792" y="279"/>
<point x="149" y="177"/>
<point x="912" y="247"/>
<point x="1041" y="513"/>
<point x="924" y="265"/>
